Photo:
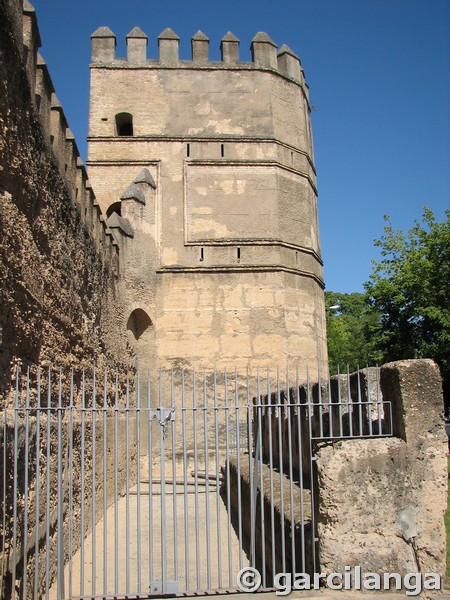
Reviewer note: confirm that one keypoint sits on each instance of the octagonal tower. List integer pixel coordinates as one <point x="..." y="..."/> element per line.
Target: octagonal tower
<point x="205" y="171"/>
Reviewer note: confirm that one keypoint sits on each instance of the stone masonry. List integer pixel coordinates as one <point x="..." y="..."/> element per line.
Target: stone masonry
<point x="205" y="171"/>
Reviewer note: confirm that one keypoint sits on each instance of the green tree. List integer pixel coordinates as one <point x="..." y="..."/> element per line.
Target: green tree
<point x="409" y="287"/>
<point x="349" y="329"/>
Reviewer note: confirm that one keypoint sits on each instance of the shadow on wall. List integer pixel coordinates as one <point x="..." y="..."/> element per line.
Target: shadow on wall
<point x="138" y="322"/>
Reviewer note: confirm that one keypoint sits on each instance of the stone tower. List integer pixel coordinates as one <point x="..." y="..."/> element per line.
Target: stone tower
<point x="205" y="172"/>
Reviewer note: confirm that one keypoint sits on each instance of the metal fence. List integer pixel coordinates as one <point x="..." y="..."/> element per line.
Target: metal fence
<point x="121" y="485"/>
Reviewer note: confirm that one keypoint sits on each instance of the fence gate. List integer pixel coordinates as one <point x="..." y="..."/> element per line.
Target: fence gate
<point x="120" y="485"/>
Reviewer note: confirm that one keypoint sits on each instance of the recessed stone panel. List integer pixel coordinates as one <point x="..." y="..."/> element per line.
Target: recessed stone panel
<point x="231" y="202"/>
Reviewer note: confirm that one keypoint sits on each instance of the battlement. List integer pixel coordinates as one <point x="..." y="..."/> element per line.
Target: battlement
<point x="265" y="54"/>
<point x="60" y="139"/>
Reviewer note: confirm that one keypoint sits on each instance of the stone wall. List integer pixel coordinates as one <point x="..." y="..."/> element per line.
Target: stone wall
<point x="224" y="257"/>
<point x="378" y="502"/>
<point x="58" y="261"/>
<point x="37" y="545"/>
<point x="382" y="501"/>
<point x="59" y="299"/>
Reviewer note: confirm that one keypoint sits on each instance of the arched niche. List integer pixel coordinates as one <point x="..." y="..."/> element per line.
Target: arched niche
<point x="115" y="207"/>
<point x="138" y="323"/>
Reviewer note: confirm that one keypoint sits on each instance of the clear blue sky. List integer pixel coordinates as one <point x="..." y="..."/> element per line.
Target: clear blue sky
<point x="379" y="77"/>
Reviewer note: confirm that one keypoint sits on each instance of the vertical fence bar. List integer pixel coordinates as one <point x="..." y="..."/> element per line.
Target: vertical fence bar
<point x="105" y="486"/>
<point x="380" y="425"/>
<point x="163" y="488"/>
<point x="311" y="469"/>
<point x="206" y="449"/>
<point x="138" y="480"/>
<point x="127" y="486"/>
<point x="216" y="439"/>
<point x="272" y="510"/>
<point x="319" y="395"/>
<point x="4" y="506"/>
<point x="174" y="482"/>
<point x="60" y="528"/>
<point x="227" y="463"/>
<point x="116" y="486"/>
<point x="25" y="516"/>
<point x="70" y="466"/>
<point x="83" y="432"/>
<point x="93" y="489"/>
<point x="361" y="429"/>
<point x="238" y="454"/>
<point x="47" y="491"/>
<point x="300" y="472"/>
<point x="197" y="531"/>
<point x="185" y="492"/>
<point x="291" y="473"/>
<point x="38" y="485"/>
<point x="341" y="428"/>
<point x="369" y="402"/>
<point x="15" y="490"/>
<point x="250" y="475"/>
<point x="350" y="403"/>
<point x="281" y="467"/>
<point x="150" y="478"/>
<point x="261" y="478"/>
<point x="330" y="408"/>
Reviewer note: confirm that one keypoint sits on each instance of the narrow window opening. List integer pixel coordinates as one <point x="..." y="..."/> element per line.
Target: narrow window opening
<point x="188" y="150"/>
<point x="292" y="158"/>
<point x="202" y="255"/>
<point x="124" y="125"/>
<point x="222" y="150"/>
<point x="238" y="253"/>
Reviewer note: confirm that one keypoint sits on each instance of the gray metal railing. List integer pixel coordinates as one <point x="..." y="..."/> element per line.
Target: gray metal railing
<point x="116" y="484"/>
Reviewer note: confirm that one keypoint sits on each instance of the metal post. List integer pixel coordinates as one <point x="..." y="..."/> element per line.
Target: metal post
<point x="60" y="559"/>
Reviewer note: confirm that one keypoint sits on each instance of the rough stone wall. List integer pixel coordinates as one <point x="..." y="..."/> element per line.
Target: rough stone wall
<point x="27" y="551"/>
<point x="59" y="300"/>
<point x="58" y="261"/>
<point x="382" y="502"/>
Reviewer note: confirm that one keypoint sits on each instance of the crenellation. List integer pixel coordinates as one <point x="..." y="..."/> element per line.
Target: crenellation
<point x="89" y="210"/>
<point x="137" y="42"/>
<point x="264" y="51"/>
<point x="289" y="63"/>
<point x="58" y="125"/>
<point x="82" y="195"/>
<point x="103" y="237"/>
<point x="103" y="45"/>
<point x="70" y="166"/>
<point x="200" y="47"/>
<point x="168" y="43"/>
<point x="44" y="91"/>
<point x="31" y="42"/>
<point x="229" y="47"/>
<point x="97" y="225"/>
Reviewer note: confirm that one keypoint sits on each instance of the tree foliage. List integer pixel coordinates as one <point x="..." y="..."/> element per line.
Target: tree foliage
<point x="409" y="288"/>
<point x="349" y="327"/>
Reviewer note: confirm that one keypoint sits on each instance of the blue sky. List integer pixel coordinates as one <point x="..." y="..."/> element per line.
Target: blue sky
<point x="379" y="77"/>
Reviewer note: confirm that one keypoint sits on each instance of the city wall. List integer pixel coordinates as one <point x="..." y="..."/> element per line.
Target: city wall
<point x="59" y="262"/>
